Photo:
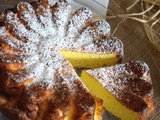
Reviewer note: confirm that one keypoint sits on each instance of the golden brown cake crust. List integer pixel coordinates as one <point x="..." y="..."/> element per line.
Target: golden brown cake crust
<point x="36" y="80"/>
<point x="24" y="95"/>
<point x="130" y="83"/>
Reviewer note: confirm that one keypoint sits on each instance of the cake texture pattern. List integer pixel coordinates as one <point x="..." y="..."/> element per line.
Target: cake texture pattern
<point x="130" y="83"/>
<point x="36" y="80"/>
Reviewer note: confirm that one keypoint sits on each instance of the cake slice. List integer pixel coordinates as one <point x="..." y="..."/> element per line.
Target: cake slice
<point x="105" y="51"/>
<point x="126" y="89"/>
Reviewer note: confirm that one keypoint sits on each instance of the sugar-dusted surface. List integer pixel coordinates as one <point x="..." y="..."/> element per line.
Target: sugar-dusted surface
<point x="34" y="71"/>
<point x="39" y="47"/>
<point x="130" y="83"/>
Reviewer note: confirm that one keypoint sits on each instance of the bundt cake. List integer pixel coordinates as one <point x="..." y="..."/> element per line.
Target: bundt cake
<point x="39" y="45"/>
<point x="126" y="89"/>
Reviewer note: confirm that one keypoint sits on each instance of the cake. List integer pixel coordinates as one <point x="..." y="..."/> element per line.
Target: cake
<point x="126" y="89"/>
<point x="39" y="46"/>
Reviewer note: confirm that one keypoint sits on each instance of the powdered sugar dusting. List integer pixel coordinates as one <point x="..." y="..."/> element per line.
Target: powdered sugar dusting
<point x="61" y="12"/>
<point x="78" y="21"/>
<point x="120" y="77"/>
<point x="44" y="14"/>
<point x="130" y="83"/>
<point x="27" y="15"/>
<point x="39" y="33"/>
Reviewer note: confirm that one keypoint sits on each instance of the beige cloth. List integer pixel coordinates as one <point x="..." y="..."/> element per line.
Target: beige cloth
<point x="136" y="43"/>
